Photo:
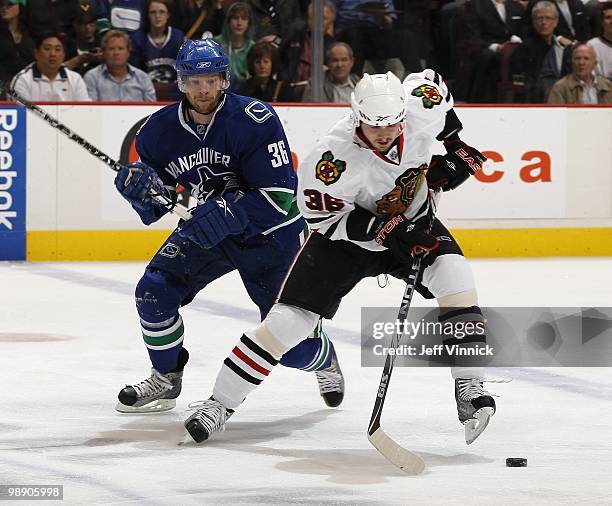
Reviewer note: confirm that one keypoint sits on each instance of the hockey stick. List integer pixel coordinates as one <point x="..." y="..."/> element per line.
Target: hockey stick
<point x="173" y="207"/>
<point x="406" y="460"/>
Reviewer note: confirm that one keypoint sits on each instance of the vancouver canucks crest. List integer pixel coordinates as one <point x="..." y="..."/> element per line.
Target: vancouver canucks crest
<point x="329" y="170"/>
<point x="205" y="183"/>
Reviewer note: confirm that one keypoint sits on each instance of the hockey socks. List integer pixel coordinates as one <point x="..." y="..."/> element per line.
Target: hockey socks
<point x="465" y="363"/>
<point x="282" y="334"/>
<point x="312" y="354"/>
<point x="244" y="369"/>
<point x="164" y="341"/>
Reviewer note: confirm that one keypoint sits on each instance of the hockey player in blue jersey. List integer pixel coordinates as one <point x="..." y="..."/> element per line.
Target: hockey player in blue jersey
<point x="232" y="153"/>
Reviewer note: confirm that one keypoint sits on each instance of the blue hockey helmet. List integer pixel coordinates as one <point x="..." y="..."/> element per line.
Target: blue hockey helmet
<point x="203" y="56"/>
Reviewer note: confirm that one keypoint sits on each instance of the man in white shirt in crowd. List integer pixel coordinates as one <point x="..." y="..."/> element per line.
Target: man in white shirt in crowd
<point x="602" y="45"/>
<point x="46" y="79"/>
<point x="116" y="80"/>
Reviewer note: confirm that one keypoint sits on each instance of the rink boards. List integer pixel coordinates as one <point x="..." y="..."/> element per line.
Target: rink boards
<point x="546" y="190"/>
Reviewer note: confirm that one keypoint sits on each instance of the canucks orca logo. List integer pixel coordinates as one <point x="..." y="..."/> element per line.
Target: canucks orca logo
<point x="206" y="183"/>
<point x="428" y="94"/>
<point x="329" y="170"/>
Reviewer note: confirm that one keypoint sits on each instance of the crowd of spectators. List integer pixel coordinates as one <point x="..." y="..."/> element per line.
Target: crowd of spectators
<point x="489" y="51"/>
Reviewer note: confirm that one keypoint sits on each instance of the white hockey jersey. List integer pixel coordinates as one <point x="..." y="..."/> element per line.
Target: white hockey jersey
<point x="342" y="171"/>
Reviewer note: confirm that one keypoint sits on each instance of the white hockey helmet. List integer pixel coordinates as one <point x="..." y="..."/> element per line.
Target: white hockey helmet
<point x="378" y="100"/>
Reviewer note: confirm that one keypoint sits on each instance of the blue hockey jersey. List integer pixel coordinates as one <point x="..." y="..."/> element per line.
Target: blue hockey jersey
<point x="127" y="15"/>
<point x="243" y="150"/>
<point x="156" y="60"/>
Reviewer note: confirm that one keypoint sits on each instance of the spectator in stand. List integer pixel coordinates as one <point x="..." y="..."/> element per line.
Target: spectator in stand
<point x="339" y="82"/>
<point x="236" y="39"/>
<point x="602" y="45"/>
<point x="154" y="50"/>
<point x="370" y="29"/>
<point x="116" y="80"/>
<point x="273" y="20"/>
<point x="494" y="26"/>
<point x="296" y="49"/>
<point x="199" y="19"/>
<point x="51" y="16"/>
<point x="16" y="45"/>
<point x="573" y="21"/>
<point x="541" y="60"/>
<point x="126" y="15"/>
<point x="582" y="86"/>
<point x="263" y="64"/>
<point x="47" y="80"/>
<point x="83" y="52"/>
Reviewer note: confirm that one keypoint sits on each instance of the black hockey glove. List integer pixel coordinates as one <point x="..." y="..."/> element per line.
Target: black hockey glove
<point x="137" y="183"/>
<point x="403" y="238"/>
<point x="214" y="220"/>
<point x="451" y="170"/>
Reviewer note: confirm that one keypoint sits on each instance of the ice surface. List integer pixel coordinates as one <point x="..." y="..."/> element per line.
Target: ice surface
<point x="69" y="340"/>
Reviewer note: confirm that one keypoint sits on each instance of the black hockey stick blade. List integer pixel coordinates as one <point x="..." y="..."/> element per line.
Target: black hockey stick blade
<point x="406" y="460"/>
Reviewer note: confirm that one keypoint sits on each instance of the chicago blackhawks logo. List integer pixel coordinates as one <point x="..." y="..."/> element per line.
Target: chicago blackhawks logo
<point x="429" y="94"/>
<point x="329" y="170"/>
<point x="406" y="187"/>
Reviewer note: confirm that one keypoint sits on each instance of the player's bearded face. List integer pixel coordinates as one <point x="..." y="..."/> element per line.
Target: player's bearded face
<point x="382" y="137"/>
<point x="204" y="91"/>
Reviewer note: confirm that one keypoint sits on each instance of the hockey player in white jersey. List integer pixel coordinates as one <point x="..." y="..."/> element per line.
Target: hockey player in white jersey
<point x="365" y="192"/>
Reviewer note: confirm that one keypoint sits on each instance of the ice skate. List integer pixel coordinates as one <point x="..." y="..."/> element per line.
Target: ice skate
<point x="475" y="406"/>
<point x="155" y="394"/>
<point x="210" y="416"/>
<point x="331" y="383"/>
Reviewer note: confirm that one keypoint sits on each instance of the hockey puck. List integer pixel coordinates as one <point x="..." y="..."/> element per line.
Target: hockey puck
<point x="516" y="462"/>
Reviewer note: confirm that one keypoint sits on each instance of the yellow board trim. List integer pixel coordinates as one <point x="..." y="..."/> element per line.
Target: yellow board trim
<point x="534" y="242"/>
<point x="93" y="245"/>
<point x="106" y="245"/>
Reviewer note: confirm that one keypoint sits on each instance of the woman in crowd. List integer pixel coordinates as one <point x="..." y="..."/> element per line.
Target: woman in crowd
<point x="263" y="65"/>
<point x="154" y="50"/>
<point x="16" y="45"/>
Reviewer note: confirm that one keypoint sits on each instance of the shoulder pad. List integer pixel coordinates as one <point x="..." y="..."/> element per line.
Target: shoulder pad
<point x="429" y="88"/>
<point x="258" y="111"/>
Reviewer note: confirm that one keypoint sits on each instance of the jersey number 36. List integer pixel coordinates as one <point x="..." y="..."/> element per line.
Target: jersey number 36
<point x="279" y="153"/>
<point x="318" y="201"/>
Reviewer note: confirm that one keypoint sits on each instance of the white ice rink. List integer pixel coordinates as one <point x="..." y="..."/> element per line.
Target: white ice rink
<point x="69" y="340"/>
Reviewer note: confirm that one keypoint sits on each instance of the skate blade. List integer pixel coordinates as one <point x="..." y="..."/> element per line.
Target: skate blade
<point x="157" y="406"/>
<point x="188" y="438"/>
<point x="475" y="427"/>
